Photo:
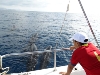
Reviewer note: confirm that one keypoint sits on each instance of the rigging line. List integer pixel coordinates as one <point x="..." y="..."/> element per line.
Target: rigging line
<point x="65" y="16"/>
<point x="88" y="22"/>
<point x="63" y="22"/>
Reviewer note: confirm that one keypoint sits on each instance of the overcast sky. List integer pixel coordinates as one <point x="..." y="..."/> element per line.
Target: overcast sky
<point x="91" y="6"/>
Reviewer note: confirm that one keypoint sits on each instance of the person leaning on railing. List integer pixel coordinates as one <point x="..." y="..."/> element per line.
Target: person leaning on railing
<point x="85" y="53"/>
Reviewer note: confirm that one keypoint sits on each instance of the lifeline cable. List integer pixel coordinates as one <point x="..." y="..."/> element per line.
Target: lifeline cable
<point x="88" y="22"/>
<point x="65" y="16"/>
<point x="63" y="22"/>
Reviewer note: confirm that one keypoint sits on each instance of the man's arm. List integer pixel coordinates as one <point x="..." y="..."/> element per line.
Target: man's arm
<point x="69" y="70"/>
<point x="71" y="48"/>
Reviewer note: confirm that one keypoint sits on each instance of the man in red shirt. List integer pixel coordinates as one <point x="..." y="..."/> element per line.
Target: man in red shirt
<point x="87" y="54"/>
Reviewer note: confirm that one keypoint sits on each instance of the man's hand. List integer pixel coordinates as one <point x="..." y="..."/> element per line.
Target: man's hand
<point x="63" y="73"/>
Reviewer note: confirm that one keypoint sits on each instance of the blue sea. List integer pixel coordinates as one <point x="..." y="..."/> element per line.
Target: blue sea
<point x="18" y="27"/>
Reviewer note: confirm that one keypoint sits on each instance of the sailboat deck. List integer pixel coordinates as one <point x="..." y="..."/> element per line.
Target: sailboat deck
<point x="52" y="71"/>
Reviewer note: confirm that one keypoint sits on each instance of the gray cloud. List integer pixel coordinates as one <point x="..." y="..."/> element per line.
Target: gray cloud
<point x="34" y="3"/>
<point x="26" y="4"/>
<point x="50" y="5"/>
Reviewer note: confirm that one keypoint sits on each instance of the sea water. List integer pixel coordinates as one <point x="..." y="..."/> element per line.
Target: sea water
<point x="17" y="28"/>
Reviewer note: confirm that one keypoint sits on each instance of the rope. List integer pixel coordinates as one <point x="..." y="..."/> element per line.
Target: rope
<point x="63" y="22"/>
<point x="88" y="22"/>
<point x="65" y="16"/>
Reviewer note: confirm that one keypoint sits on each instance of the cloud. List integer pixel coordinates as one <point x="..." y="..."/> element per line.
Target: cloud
<point x="37" y="5"/>
<point x="51" y="5"/>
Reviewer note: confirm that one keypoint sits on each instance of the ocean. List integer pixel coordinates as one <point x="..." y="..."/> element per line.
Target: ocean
<point x="18" y="27"/>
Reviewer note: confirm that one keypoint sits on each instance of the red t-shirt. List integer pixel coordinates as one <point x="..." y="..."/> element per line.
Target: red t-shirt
<point x="89" y="59"/>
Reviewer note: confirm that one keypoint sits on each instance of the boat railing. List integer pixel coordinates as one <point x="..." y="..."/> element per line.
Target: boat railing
<point x="25" y="53"/>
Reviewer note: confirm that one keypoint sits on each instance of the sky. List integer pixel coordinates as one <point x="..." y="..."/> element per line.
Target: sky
<point x="91" y="6"/>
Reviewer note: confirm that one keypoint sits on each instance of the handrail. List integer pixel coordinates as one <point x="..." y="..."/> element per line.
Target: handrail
<point x="34" y="52"/>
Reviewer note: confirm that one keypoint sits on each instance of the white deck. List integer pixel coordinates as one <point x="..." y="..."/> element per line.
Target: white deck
<point x="50" y="71"/>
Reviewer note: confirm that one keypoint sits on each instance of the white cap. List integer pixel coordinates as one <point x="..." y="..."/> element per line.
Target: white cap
<point x="80" y="37"/>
